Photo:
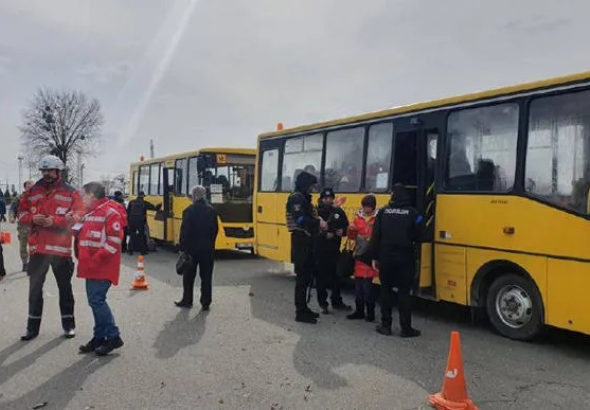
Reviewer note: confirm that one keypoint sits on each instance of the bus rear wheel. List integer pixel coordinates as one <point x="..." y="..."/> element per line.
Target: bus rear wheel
<point x="515" y="308"/>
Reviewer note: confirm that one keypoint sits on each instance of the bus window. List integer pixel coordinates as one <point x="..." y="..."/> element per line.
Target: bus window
<point x="231" y="182"/>
<point x="154" y="175"/>
<point x="193" y="173"/>
<point x="144" y="178"/>
<point x="558" y="151"/>
<point x="301" y="154"/>
<point x="344" y="160"/>
<point x="180" y="179"/>
<point x="269" y="171"/>
<point x="482" y="154"/>
<point x="379" y="157"/>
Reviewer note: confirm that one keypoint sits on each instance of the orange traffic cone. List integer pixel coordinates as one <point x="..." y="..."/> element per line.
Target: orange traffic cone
<point x="139" y="282"/>
<point x="5" y="238"/>
<point x="454" y="392"/>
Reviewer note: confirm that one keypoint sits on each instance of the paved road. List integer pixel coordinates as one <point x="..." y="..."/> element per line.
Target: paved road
<point x="248" y="353"/>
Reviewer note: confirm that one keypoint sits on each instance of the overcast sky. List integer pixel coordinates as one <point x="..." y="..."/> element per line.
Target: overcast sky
<point x="196" y="73"/>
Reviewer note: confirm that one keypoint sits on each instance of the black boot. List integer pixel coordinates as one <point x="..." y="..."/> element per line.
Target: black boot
<point x="359" y="312"/>
<point x="305" y="317"/>
<point x="370" y="313"/>
<point x="410" y="332"/>
<point x="33" y="326"/>
<point x="384" y="330"/>
<point x="108" y="346"/>
<point x="29" y="335"/>
<point x="90" y="346"/>
<point x="312" y="313"/>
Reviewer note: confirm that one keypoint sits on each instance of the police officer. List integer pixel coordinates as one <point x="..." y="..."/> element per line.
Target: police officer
<point x="392" y="245"/>
<point x="303" y="224"/>
<point x="328" y="251"/>
<point x="137" y="215"/>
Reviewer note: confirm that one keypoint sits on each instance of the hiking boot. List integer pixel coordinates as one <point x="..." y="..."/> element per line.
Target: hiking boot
<point x="108" y="346"/>
<point x="90" y="346"/>
<point x="411" y="332"/>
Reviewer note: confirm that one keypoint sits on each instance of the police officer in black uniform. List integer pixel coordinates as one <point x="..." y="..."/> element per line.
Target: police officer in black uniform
<point x="393" y="243"/>
<point x="303" y="224"/>
<point x="137" y="218"/>
<point x="328" y="251"/>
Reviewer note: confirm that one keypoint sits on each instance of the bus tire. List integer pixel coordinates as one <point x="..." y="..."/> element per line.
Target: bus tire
<point x="515" y="308"/>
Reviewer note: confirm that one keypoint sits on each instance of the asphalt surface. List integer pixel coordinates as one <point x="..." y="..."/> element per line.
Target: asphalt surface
<point x="249" y="353"/>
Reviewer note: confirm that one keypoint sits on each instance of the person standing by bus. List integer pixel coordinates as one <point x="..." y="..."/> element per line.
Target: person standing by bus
<point x="303" y="225"/>
<point x="137" y="222"/>
<point x="327" y="250"/>
<point x="22" y="229"/>
<point x="393" y="246"/>
<point x="50" y="208"/>
<point x="120" y="202"/>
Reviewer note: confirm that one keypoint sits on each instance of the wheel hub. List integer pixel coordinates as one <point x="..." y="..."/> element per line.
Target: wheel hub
<point x="514" y="306"/>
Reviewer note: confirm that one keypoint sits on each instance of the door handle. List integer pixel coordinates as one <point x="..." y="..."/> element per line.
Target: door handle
<point x="444" y="235"/>
<point x="259" y="209"/>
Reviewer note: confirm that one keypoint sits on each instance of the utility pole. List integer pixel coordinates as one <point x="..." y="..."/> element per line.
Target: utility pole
<point x="82" y="175"/>
<point x="152" y="149"/>
<point x="20" y="171"/>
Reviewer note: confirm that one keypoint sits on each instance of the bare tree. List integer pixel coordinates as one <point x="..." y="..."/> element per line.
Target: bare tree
<point x="60" y="123"/>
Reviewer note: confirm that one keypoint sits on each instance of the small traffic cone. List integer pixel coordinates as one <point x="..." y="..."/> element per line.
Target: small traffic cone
<point x="454" y="392"/>
<point x="139" y="282"/>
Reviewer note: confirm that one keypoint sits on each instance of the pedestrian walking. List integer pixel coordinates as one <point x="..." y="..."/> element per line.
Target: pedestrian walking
<point x="50" y="208"/>
<point x="99" y="262"/>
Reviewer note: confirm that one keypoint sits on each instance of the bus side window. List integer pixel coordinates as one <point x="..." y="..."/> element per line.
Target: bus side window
<point x="269" y="170"/>
<point x="482" y="148"/>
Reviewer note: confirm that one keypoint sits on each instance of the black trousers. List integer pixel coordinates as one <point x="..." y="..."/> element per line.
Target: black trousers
<point x="204" y="261"/>
<point x="397" y="270"/>
<point x="327" y="260"/>
<point x="124" y="243"/>
<point x="63" y="269"/>
<point x="137" y="238"/>
<point x="364" y="293"/>
<point x="303" y="261"/>
<point x="2" y="267"/>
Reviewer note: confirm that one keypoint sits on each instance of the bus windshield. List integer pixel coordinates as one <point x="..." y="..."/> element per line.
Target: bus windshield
<point x="229" y="183"/>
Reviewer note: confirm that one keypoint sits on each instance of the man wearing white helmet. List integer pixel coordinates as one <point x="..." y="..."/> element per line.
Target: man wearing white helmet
<point x="50" y="208"/>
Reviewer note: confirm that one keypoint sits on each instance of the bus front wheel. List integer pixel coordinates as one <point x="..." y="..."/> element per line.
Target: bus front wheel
<point x="515" y="307"/>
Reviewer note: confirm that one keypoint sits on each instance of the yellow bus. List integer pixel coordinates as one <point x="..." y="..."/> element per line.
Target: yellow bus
<point x="501" y="176"/>
<point x="226" y="173"/>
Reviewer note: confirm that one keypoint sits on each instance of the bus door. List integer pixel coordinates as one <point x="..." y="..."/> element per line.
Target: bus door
<point x="168" y="198"/>
<point x="269" y="205"/>
<point x="414" y="153"/>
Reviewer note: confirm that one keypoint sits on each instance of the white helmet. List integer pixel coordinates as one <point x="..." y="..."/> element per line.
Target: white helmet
<point x="51" y="162"/>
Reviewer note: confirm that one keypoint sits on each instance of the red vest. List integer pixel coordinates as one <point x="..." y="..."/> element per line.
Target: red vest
<point x="55" y="203"/>
<point x="99" y="243"/>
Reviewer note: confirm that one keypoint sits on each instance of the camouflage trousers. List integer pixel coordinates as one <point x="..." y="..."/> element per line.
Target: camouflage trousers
<point x="23" y="238"/>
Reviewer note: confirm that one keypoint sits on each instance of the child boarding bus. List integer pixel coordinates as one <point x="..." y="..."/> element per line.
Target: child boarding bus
<point x="501" y="177"/>
<point x="226" y="173"/>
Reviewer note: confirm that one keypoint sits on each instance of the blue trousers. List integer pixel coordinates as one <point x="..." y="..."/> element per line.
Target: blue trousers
<point x="104" y="322"/>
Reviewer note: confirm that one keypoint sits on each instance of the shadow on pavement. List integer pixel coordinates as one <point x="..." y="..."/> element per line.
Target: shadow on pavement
<point x="179" y="333"/>
<point x="10" y="370"/>
<point x="59" y="390"/>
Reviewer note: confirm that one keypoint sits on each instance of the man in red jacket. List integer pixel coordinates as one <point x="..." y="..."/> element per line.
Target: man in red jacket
<point x="50" y="208"/>
<point x="99" y="262"/>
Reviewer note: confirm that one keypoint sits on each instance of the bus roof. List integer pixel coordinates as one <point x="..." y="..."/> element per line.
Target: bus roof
<point x="482" y="95"/>
<point x="233" y="151"/>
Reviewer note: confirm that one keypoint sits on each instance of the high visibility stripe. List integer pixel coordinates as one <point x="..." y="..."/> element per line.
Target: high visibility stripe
<point x="95" y="218"/>
<point x="63" y="198"/>
<point x="35" y="197"/>
<point x="111" y="211"/>
<point x="110" y="248"/>
<point x="35" y="317"/>
<point x="115" y="239"/>
<point x="60" y="249"/>
<point x="90" y="244"/>
<point x="67" y="316"/>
